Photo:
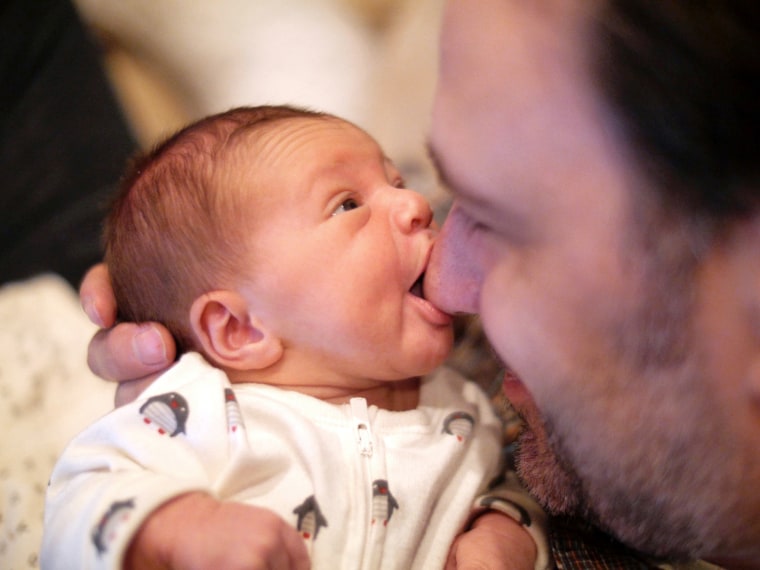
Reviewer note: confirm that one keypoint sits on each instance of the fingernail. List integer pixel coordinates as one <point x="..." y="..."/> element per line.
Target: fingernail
<point x="88" y="305"/>
<point x="148" y="347"/>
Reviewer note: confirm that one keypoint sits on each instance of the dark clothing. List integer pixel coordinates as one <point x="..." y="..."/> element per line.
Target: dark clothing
<point x="63" y="142"/>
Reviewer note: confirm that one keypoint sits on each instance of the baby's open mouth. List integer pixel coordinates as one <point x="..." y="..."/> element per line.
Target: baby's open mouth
<point x="416" y="288"/>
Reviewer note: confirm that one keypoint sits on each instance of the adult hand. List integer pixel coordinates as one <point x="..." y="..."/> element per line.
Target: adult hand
<point x="195" y="531"/>
<point x="129" y="353"/>
<point x="496" y="542"/>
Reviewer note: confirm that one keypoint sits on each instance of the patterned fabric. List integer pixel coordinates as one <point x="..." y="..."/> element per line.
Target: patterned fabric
<point x="577" y="546"/>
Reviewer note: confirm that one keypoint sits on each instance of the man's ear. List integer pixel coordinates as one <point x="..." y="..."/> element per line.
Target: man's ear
<point x="229" y="335"/>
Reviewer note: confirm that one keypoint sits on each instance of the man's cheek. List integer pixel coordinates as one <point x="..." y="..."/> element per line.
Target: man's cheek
<point x="502" y="314"/>
<point x="517" y="321"/>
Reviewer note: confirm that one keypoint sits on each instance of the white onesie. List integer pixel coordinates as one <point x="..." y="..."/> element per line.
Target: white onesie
<point x="366" y="488"/>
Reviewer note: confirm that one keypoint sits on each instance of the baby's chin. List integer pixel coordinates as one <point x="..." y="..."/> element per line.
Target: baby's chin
<point x="431" y="359"/>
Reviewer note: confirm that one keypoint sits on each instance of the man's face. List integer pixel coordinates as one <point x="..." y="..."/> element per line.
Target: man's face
<point x="338" y="247"/>
<point x="592" y="302"/>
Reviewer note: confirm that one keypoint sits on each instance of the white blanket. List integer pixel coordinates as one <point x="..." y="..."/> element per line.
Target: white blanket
<point x="47" y="394"/>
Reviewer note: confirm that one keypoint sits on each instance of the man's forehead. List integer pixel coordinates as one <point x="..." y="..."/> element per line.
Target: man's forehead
<point x="507" y="71"/>
<point x="480" y="34"/>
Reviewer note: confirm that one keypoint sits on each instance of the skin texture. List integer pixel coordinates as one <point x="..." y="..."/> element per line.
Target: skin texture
<point x="494" y="543"/>
<point x="636" y="340"/>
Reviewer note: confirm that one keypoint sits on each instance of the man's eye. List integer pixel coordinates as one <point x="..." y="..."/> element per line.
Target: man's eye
<point x="346" y="205"/>
<point x="479" y="227"/>
<point x="472" y="226"/>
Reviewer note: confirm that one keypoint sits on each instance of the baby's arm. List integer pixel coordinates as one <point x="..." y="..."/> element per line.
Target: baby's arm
<point x="197" y="531"/>
<point x="102" y="490"/>
<point x="507" y="529"/>
<point x="496" y="541"/>
<point x="135" y="519"/>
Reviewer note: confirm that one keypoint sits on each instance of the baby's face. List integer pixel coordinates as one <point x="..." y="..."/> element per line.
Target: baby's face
<point x="339" y="249"/>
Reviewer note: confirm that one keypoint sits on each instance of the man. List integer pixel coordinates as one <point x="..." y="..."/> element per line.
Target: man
<point x="606" y="226"/>
<point x="615" y="264"/>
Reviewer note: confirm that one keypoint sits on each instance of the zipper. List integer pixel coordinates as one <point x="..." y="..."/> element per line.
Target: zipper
<point x="361" y="426"/>
<point x="371" y="556"/>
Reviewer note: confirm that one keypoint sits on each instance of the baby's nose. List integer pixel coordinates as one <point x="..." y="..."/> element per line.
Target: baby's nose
<point x="412" y="211"/>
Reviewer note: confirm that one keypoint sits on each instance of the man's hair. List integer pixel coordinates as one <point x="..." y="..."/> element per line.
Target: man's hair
<point x="683" y="78"/>
<point x="178" y="226"/>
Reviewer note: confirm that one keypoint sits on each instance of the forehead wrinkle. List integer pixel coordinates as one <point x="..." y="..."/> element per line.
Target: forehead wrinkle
<point x="291" y="157"/>
<point x="279" y="142"/>
<point x="268" y="155"/>
<point x="255" y="161"/>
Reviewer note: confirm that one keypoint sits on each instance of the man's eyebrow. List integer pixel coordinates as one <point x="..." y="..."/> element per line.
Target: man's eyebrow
<point x="454" y="189"/>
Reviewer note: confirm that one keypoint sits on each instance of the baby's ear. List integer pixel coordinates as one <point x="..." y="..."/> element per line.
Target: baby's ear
<point x="229" y="335"/>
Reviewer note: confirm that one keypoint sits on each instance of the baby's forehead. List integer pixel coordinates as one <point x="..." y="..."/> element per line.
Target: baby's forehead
<point x="285" y="142"/>
<point x="294" y="129"/>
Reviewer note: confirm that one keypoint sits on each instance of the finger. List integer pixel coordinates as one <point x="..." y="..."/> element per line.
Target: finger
<point x="277" y="559"/>
<point x="128" y="390"/>
<point x="130" y="351"/>
<point x="96" y="296"/>
<point x="294" y="544"/>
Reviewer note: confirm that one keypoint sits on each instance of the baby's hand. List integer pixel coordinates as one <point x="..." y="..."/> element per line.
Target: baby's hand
<point x="495" y="541"/>
<point x="197" y="531"/>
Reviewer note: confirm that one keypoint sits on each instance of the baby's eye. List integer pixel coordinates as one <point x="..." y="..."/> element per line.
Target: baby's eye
<point x="346" y="205"/>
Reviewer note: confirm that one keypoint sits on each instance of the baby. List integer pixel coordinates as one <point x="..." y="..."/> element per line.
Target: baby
<point x="284" y="253"/>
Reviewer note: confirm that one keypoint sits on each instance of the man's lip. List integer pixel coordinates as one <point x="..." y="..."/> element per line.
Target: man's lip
<point x="433" y="313"/>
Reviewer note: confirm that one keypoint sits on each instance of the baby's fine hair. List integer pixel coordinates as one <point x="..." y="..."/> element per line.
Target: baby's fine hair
<point x="175" y="229"/>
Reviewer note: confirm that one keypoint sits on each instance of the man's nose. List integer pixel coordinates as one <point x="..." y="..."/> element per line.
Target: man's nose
<point x="411" y="210"/>
<point x="454" y="276"/>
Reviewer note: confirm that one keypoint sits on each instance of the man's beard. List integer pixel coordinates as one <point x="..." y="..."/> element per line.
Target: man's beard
<point x="655" y="475"/>
<point x="670" y="499"/>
